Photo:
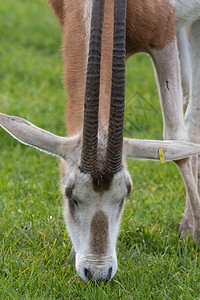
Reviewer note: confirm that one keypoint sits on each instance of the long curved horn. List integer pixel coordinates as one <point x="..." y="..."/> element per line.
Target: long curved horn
<point x="91" y="105"/>
<point x="116" y="122"/>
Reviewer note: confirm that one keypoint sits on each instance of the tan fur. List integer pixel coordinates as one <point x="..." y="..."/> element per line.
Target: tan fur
<point x="75" y="57"/>
<point x="150" y="23"/>
<point x="99" y="233"/>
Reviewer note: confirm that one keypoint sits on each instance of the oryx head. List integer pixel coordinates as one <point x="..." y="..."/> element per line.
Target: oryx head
<point x="95" y="181"/>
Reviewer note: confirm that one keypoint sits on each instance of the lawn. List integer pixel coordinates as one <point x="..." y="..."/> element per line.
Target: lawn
<point x="35" y="263"/>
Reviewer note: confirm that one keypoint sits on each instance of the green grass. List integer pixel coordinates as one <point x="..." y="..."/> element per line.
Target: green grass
<point x="154" y="263"/>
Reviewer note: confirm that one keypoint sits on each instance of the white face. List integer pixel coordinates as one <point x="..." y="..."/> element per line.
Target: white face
<point x="92" y="218"/>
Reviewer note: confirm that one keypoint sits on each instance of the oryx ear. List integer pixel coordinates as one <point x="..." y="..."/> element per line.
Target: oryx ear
<point x="149" y="149"/>
<point x="29" y="134"/>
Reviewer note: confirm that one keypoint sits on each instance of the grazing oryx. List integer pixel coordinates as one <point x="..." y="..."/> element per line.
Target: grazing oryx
<point x="94" y="178"/>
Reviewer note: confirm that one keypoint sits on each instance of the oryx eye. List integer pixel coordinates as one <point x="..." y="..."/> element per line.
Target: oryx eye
<point x="74" y="201"/>
<point x="68" y="191"/>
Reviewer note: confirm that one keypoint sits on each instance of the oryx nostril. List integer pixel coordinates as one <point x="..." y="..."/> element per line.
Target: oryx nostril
<point x="109" y="273"/>
<point x="88" y="273"/>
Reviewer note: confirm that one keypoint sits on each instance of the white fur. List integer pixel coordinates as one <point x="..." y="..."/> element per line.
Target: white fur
<point x="186" y="12"/>
<point x="149" y="149"/>
<point x="186" y="72"/>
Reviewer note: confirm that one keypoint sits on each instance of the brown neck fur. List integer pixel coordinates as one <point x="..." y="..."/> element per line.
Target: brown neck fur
<point x="75" y="59"/>
<point x="150" y="24"/>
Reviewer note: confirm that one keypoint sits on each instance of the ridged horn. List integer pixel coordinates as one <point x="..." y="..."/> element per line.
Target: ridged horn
<point x="116" y="120"/>
<point x="91" y="104"/>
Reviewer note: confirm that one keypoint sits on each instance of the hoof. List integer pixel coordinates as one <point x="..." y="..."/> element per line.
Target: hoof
<point x="183" y="229"/>
<point x="186" y="227"/>
<point x="196" y="236"/>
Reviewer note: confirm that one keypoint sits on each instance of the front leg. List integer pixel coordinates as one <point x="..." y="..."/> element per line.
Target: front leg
<point x="192" y="117"/>
<point x="167" y="68"/>
<point x="184" y="57"/>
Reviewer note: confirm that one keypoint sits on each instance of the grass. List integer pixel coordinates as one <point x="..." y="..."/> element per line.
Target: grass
<point x="154" y="263"/>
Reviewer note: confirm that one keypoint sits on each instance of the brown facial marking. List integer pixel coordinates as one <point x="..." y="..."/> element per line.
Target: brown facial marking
<point x="121" y="206"/>
<point x="99" y="233"/>
<point x="68" y="192"/>
<point x="102" y="181"/>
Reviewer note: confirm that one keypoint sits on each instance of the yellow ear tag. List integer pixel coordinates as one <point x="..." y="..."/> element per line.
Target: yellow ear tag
<point x="162" y="157"/>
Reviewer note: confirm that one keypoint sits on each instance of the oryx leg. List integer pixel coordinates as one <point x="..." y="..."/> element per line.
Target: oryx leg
<point x="192" y="119"/>
<point x="186" y="74"/>
<point x="167" y="67"/>
<point x="184" y="56"/>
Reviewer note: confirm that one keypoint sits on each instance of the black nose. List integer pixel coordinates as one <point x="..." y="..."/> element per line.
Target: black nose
<point x="88" y="273"/>
<point x="89" y="276"/>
